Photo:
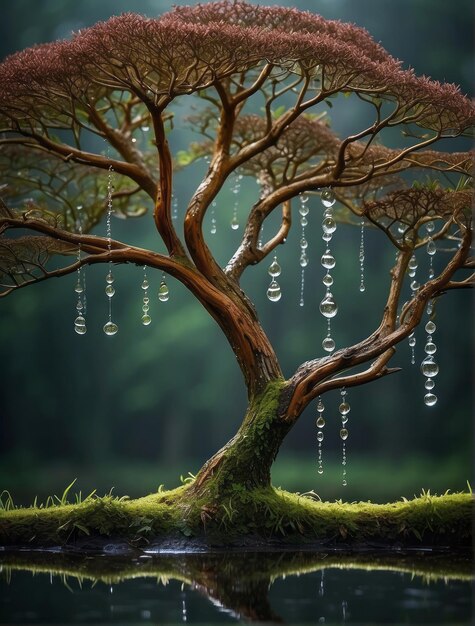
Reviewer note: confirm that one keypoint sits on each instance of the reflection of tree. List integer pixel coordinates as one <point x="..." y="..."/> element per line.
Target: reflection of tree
<point x="236" y="582"/>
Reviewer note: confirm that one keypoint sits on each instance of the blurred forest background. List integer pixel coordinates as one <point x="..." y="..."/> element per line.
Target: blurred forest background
<point x="142" y="408"/>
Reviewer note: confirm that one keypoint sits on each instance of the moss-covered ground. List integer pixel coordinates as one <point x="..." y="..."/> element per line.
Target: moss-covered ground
<point x="242" y="518"/>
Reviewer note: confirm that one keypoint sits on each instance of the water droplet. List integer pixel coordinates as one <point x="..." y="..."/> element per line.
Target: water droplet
<point x="430" y="226"/>
<point x="320" y="436"/>
<point x="415" y="285"/>
<point x="430" y="327"/>
<point x="303" y="210"/>
<point x="344" y="408"/>
<point x="163" y="292"/>
<point x="431" y="248"/>
<point x="329" y="225"/>
<point x="320" y="421"/>
<point x="145" y="308"/>
<point x="145" y="284"/>
<point x="109" y="278"/>
<point x="413" y="264"/>
<point x="80" y="325"/>
<point x="429" y="384"/>
<point x="303" y="221"/>
<point x="401" y="229"/>
<point x="328" y="344"/>
<point x="110" y="291"/>
<point x="146" y="319"/>
<point x="303" y="243"/>
<point x="274" y="268"/>
<point x="303" y="260"/>
<point x="429" y="367"/>
<point x="328" y="307"/>
<point x="344" y="434"/>
<point x="110" y="328"/>
<point x="145" y="129"/>
<point x="430" y="399"/>
<point x="344" y="419"/>
<point x="327" y="237"/>
<point x="412" y="341"/>
<point x="274" y="293"/>
<point x="431" y="273"/>
<point x="327" y="280"/>
<point x="320" y="470"/>
<point x="79" y="306"/>
<point x="362" y="287"/>
<point x="430" y="348"/>
<point x="328" y="260"/>
<point x="79" y="288"/>
<point x="146" y="300"/>
<point x="328" y="197"/>
<point x="235" y="223"/>
<point x="320" y="406"/>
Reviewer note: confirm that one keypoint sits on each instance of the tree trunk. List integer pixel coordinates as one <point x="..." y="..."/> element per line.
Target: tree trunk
<point x="247" y="458"/>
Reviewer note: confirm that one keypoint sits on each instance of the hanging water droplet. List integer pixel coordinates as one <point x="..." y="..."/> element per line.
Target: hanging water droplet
<point x="303" y="210"/>
<point x="328" y="260"/>
<point x="328" y="307"/>
<point x="145" y="308"/>
<point x="235" y="223"/>
<point x="401" y="229"/>
<point x="79" y="306"/>
<point x="320" y="436"/>
<point x="328" y="197"/>
<point x="344" y="419"/>
<point x="320" y="421"/>
<point x="163" y="292"/>
<point x="274" y="268"/>
<point x="145" y="284"/>
<point x="213" y="226"/>
<point x="415" y="285"/>
<point x="303" y="243"/>
<point x="429" y="384"/>
<point x="109" y="278"/>
<point x="344" y="434"/>
<point x="362" y="287"/>
<point x="344" y="408"/>
<point x="413" y="264"/>
<point x="429" y="367"/>
<point x="79" y="288"/>
<point x="430" y="399"/>
<point x="430" y="327"/>
<point x="145" y="129"/>
<point x="303" y="221"/>
<point x="431" y="273"/>
<point x="327" y="237"/>
<point x="146" y="300"/>
<point x="430" y="348"/>
<point x="273" y="292"/>
<point x="80" y="325"/>
<point x="412" y="340"/>
<point x="320" y="470"/>
<point x="327" y="280"/>
<point x="303" y="260"/>
<point x="110" y="328"/>
<point x="328" y="344"/>
<point x="431" y="248"/>
<point x="344" y="482"/>
<point x="110" y="291"/>
<point x="146" y="319"/>
<point x="329" y="225"/>
<point x="320" y="406"/>
<point x="430" y="226"/>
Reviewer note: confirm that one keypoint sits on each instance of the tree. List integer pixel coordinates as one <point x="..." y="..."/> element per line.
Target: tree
<point x="261" y="93"/>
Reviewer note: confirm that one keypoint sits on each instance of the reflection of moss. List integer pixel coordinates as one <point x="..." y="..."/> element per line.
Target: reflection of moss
<point x="253" y="517"/>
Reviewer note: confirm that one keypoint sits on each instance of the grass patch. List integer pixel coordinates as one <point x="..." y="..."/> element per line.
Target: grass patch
<point x="268" y="514"/>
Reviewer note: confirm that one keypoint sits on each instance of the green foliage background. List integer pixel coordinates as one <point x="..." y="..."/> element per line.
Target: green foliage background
<point x="153" y="403"/>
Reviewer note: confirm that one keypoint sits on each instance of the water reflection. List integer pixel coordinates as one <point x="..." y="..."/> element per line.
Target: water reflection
<point x="277" y="587"/>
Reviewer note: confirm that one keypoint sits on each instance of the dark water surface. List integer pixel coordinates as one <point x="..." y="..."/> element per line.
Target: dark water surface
<point x="278" y="587"/>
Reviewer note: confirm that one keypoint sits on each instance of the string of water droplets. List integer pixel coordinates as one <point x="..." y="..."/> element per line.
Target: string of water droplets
<point x="303" y="211"/>
<point x="274" y="292"/>
<point x="236" y="188"/>
<point x="344" y="409"/>
<point x="328" y="306"/>
<point x="362" y="256"/>
<point x="146" y="319"/>
<point x="429" y="367"/>
<point x="110" y="328"/>
<point x="174" y="208"/>
<point x="412" y="269"/>
<point x="320" y="422"/>
<point x="80" y="289"/>
<point x="213" y="228"/>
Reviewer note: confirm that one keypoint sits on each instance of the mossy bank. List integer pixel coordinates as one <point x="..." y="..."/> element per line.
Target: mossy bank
<point x="244" y="517"/>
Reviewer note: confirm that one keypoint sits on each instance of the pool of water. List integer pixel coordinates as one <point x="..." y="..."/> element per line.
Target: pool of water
<point x="228" y="588"/>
